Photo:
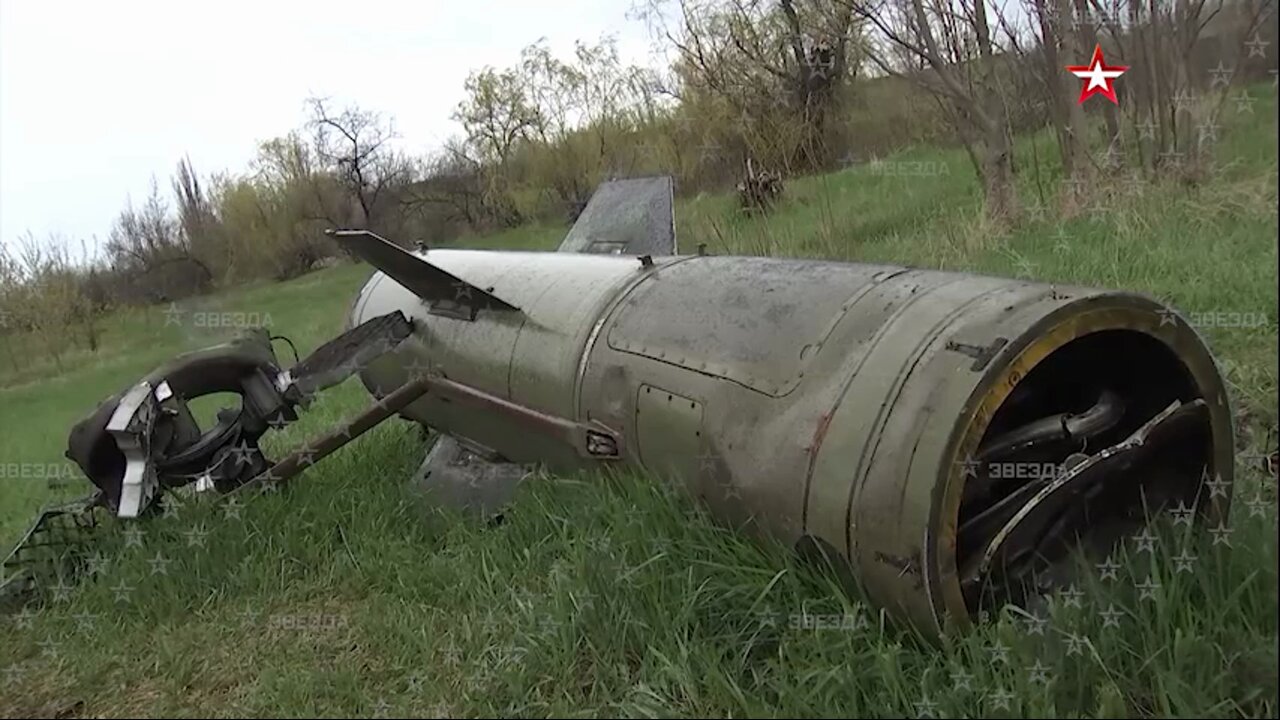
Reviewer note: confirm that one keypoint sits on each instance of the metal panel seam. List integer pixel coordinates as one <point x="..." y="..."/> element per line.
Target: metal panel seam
<point x="606" y="314"/>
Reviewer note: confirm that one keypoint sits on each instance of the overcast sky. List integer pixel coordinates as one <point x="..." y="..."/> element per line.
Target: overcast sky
<point x="96" y="97"/>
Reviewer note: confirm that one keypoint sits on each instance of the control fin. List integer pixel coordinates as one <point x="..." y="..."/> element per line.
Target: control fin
<point x="429" y="282"/>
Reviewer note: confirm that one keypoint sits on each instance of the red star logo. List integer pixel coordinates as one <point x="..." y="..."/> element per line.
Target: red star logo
<point x="1101" y="77"/>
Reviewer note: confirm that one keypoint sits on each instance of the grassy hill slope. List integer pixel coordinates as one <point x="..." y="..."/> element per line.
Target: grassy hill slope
<point x="342" y="595"/>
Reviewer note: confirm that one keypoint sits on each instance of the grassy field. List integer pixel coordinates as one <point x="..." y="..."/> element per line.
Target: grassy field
<point x="612" y="595"/>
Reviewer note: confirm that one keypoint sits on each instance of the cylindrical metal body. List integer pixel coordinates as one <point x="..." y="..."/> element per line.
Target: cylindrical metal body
<point x="836" y="402"/>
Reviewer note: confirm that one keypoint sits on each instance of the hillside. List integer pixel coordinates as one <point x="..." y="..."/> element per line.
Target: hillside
<point x="344" y="596"/>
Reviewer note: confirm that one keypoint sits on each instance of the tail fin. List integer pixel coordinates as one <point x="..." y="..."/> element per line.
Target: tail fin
<point x="626" y="217"/>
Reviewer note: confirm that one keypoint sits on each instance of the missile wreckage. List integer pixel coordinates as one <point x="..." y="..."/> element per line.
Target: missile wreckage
<point x="949" y="439"/>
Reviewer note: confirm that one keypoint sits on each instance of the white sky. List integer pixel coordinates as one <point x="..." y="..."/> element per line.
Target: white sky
<point x="96" y="97"/>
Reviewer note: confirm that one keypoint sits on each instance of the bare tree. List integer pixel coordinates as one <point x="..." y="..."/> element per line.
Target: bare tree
<point x="147" y="244"/>
<point x="454" y="181"/>
<point x="948" y="48"/>
<point x="197" y="219"/>
<point x="1171" y="105"/>
<point x="357" y="144"/>
<point x="1041" y="50"/>
<point x="765" y="56"/>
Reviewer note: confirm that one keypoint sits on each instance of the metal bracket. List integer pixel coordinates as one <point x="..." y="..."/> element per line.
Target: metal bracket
<point x="592" y="440"/>
<point x="982" y="356"/>
<point x="131" y="425"/>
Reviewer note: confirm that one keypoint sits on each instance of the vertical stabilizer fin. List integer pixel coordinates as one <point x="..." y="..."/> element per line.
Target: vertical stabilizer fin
<point x="626" y="217"/>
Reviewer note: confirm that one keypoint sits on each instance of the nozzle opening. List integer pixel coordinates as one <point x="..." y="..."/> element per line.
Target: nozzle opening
<point x="1105" y="431"/>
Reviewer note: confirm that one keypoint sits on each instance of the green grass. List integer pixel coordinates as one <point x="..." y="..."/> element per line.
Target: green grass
<point x="611" y="595"/>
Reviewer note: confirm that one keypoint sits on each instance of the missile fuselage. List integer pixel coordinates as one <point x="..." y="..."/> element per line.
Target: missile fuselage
<point x="896" y="417"/>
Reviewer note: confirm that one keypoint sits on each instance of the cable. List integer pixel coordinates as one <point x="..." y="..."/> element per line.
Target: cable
<point x="273" y="338"/>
